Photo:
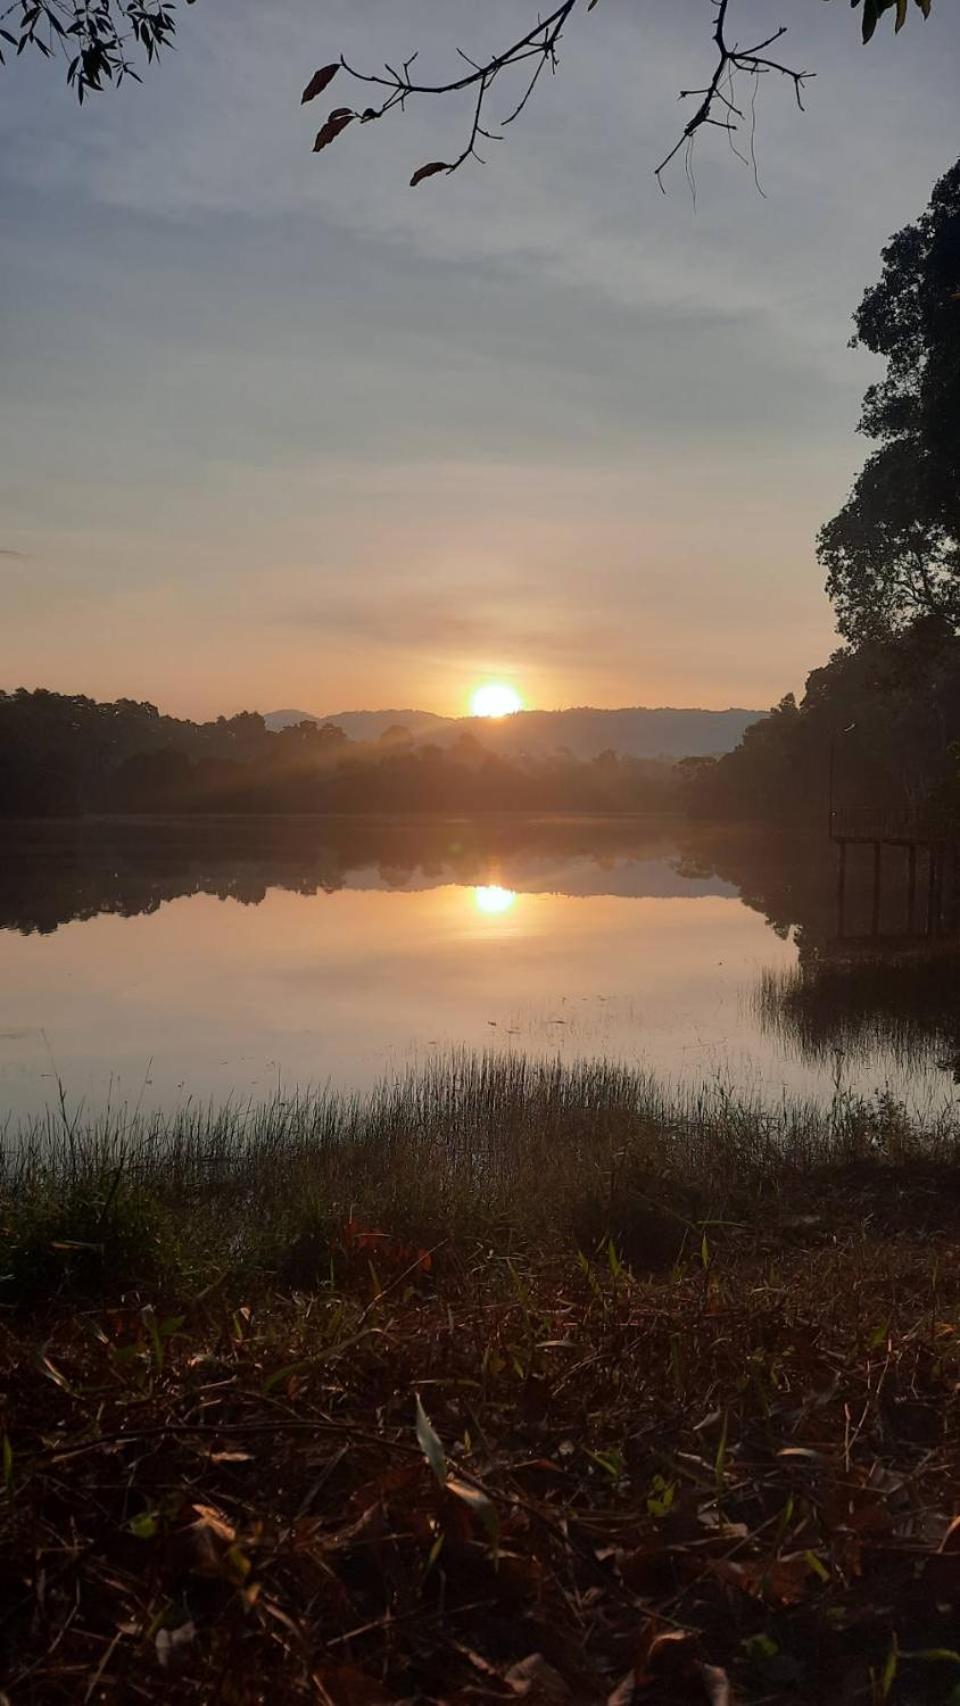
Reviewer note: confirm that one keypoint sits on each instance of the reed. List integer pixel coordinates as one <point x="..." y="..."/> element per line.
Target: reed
<point x="532" y="1153"/>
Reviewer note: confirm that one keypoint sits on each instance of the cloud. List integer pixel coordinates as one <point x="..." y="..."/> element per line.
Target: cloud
<point x="536" y="409"/>
<point x="570" y="197"/>
<point x="469" y="619"/>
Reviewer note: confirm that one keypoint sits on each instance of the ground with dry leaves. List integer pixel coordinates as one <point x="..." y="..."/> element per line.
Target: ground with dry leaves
<point x="455" y="1474"/>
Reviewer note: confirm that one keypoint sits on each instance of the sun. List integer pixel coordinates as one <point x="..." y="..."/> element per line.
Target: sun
<point x="495" y="699"/>
<point x="493" y="900"/>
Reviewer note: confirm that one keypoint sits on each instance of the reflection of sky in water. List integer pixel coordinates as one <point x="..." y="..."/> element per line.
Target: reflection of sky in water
<point x="208" y="998"/>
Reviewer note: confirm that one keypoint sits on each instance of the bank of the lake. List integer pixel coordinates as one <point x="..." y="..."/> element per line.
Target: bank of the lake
<point x="507" y="1381"/>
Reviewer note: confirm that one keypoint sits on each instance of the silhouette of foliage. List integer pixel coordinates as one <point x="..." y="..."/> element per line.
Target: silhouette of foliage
<point x="893" y="551"/>
<point x="63" y="756"/>
<point x="889" y="710"/>
<point x="100" y="40"/>
<point x="535" y="51"/>
<point x="55" y="871"/>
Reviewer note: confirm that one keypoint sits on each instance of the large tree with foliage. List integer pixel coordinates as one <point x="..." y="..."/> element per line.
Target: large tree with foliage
<point x="893" y="552"/>
<point x="101" y="43"/>
<point x="888" y="709"/>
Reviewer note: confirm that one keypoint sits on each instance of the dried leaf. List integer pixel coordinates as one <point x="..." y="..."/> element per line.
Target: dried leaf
<point x="338" y="121"/>
<point x="171" y="1644"/>
<point x="345" y="1685"/>
<point x="535" y="1680"/>
<point x="209" y="1517"/>
<point x="429" y="171"/>
<point x="53" y="1373"/>
<point x="626" y="1691"/>
<point x="478" y="1503"/>
<point x="717" y="1684"/>
<point x="319" y="81"/>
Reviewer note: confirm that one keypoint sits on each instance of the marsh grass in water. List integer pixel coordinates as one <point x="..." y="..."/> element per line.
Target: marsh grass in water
<point x="532" y="1155"/>
<point x="908" y="1007"/>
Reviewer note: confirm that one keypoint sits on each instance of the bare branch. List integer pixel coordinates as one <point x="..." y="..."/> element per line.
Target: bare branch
<point x="539" y="44"/>
<point x="730" y="60"/>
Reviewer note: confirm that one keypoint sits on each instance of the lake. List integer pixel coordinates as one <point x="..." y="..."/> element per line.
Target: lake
<point x="148" y="962"/>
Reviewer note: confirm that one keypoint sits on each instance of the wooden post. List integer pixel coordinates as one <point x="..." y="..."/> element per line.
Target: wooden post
<point x="931" y="886"/>
<point x="911" y="886"/>
<point x="938" y="900"/>
<point x="842" y="888"/>
<point x="875" y="922"/>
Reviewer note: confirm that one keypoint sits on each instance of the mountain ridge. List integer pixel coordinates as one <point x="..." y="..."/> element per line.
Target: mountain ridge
<point x="638" y="731"/>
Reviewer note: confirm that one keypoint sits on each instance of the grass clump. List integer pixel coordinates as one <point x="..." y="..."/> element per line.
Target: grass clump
<point x="84" y="1235"/>
<point x="528" y="1155"/>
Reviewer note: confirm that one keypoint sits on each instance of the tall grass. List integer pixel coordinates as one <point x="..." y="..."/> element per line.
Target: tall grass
<point x="472" y="1146"/>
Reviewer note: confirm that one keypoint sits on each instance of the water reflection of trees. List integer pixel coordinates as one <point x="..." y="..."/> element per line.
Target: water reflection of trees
<point x="908" y="1008"/>
<point x="840" y="996"/>
<point x="849" y="995"/>
<point x="53" y="873"/>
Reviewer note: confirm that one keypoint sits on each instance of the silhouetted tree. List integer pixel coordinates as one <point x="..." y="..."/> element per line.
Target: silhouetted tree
<point x="69" y="756"/>
<point x="893" y="552"/>
<point x="896" y="703"/>
<point x="397" y="735"/>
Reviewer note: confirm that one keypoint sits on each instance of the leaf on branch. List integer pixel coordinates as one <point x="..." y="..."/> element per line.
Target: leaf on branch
<point x="338" y="120"/>
<point x="318" y="82"/>
<point x="873" y="11"/>
<point x="429" y="171"/>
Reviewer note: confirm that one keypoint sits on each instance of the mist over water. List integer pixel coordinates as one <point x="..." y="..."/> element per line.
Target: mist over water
<point x="150" y="963"/>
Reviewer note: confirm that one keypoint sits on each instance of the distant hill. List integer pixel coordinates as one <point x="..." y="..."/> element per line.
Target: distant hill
<point x="635" y="731"/>
<point x="363" y="725"/>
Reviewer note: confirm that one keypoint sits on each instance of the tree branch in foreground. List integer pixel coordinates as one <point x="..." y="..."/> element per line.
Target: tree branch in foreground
<point x="537" y="49"/>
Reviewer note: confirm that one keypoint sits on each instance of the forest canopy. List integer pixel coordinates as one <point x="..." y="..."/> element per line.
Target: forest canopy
<point x="66" y="755"/>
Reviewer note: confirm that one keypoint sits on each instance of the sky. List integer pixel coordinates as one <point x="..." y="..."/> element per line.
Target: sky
<point x="278" y="430"/>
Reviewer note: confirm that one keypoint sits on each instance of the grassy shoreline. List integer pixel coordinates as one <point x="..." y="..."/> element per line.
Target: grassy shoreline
<point x="529" y="1153"/>
<point x="688" y="1382"/>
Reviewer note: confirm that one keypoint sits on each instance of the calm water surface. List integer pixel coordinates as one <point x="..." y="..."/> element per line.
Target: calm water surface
<point x="149" y="963"/>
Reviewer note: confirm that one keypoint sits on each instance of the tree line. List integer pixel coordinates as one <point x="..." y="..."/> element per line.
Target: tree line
<point x="881" y="721"/>
<point x="67" y="755"/>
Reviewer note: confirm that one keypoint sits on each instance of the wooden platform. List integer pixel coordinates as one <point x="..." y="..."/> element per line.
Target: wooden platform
<point x="932" y="855"/>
